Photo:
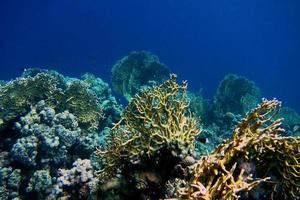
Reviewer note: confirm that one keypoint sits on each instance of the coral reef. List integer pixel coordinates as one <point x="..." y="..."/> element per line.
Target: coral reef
<point x="110" y="108"/>
<point x="291" y="121"/>
<point x="10" y="181"/>
<point x="255" y="156"/>
<point x="196" y="104"/>
<point x="78" y="182"/>
<point x="137" y="70"/>
<point x="156" y="132"/>
<point x="51" y="126"/>
<point x="18" y="95"/>
<point x="49" y="123"/>
<point x="46" y="140"/>
<point x="236" y="94"/>
<point x="2" y="82"/>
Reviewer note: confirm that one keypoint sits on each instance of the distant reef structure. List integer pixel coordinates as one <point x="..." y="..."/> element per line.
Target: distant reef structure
<point x="68" y="138"/>
<point x="137" y="70"/>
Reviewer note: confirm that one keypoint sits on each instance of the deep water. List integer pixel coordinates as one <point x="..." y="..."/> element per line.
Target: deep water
<point x="201" y="41"/>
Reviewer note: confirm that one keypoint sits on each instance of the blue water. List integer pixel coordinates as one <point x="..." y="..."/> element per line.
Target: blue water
<point x="201" y="41"/>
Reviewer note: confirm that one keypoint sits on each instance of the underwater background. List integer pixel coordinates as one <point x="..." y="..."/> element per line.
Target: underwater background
<point x="149" y="100"/>
<point x="200" y="40"/>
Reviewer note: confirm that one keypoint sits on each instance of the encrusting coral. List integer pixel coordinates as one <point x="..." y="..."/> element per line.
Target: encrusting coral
<point x="254" y="157"/>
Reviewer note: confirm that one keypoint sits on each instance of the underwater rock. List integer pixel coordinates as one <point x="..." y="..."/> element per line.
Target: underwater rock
<point x="137" y="70"/>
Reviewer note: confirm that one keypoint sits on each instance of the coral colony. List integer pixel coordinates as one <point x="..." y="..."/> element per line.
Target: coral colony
<point x="68" y="138"/>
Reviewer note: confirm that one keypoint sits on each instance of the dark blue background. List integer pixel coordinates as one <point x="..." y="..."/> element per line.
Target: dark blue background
<point x="199" y="40"/>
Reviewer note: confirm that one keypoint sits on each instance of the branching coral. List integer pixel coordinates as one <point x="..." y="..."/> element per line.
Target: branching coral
<point x="229" y="170"/>
<point x="154" y="118"/>
<point x="279" y="158"/>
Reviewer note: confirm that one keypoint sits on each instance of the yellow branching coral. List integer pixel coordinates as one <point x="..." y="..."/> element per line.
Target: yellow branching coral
<point x="279" y="157"/>
<point x="154" y="117"/>
<point x="217" y="176"/>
